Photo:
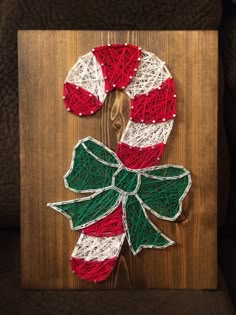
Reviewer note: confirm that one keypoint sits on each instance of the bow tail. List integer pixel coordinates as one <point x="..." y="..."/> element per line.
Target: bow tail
<point x="141" y="232"/>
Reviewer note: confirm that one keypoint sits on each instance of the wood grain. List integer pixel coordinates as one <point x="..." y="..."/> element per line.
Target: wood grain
<point x="48" y="134"/>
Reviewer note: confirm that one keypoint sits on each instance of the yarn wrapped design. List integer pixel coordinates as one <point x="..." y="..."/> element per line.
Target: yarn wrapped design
<point x="125" y="183"/>
<point x="97" y="169"/>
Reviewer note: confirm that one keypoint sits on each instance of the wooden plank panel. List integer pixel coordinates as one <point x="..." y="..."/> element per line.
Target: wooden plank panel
<point x="48" y="134"/>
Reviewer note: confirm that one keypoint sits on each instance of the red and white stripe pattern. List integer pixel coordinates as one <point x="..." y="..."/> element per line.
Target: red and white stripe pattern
<point x="147" y="81"/>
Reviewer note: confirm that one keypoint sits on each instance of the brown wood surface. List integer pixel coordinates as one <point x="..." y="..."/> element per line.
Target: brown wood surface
<point x="48" y="134"/>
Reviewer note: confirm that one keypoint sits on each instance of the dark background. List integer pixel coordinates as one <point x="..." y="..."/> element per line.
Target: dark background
<point x="105" y="15"/>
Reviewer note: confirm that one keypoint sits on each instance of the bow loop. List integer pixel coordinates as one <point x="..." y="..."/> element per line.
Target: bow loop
<point x="162" y="190"/>
<point x="92" y="167"/>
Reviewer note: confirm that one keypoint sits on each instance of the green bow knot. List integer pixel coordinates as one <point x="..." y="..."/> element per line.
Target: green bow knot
<point x="126" y="181"/>
<point x="96" y="169"/>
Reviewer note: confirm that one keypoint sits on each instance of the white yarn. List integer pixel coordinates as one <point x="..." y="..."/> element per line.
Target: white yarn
<point x="143" y="135"/>
<point x="87" y="73"/>
<point x="98" y="248"/>
<point x="150" y="75"/>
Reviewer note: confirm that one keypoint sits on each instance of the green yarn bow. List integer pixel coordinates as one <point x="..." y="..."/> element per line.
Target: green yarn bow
<point x="96" y="169"/>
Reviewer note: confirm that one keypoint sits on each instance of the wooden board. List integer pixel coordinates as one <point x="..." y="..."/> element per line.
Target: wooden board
<point x="48" y="134"/>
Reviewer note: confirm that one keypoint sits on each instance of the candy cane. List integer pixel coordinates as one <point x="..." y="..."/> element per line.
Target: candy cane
<point x="146" y="80"/>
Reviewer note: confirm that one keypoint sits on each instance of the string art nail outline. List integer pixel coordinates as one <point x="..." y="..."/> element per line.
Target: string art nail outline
<point x="150" y="86"/>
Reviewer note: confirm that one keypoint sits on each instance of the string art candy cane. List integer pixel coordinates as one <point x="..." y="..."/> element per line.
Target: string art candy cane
<point x="126" y="183"/>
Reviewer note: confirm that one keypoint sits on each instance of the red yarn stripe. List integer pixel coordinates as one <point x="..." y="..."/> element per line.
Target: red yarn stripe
<point x="109" y="226"/>
<point x="156" y="106"/>
<point x="135" y="158"/>
<point x="93" y="270"/>
<point x="79" y="101"/>
<point x="119" y="64"/>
